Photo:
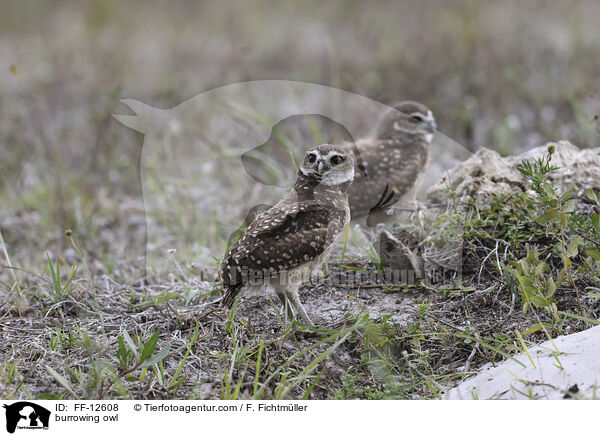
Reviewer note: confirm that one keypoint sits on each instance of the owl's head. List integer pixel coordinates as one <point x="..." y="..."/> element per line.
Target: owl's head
<point x="328" y="164"/>
<point x="407" y="117"/>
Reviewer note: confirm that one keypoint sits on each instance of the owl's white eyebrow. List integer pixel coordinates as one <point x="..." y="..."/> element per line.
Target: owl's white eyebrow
<point x="333" y="152"/>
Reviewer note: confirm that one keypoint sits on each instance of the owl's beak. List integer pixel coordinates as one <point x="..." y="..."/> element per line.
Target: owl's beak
<point x="322" y="165"/>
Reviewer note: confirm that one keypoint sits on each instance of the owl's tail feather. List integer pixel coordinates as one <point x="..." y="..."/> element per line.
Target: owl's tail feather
<point x="230" y="295"/>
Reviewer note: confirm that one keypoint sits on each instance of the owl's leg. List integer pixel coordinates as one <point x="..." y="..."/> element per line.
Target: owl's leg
<point x="292" y="295"/>
<point x="287" y="307"/>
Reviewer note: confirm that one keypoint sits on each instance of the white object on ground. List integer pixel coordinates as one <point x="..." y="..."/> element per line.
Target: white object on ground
<point x="571" y="372"/>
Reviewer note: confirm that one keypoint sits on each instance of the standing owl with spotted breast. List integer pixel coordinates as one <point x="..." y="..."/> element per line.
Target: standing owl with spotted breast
<point x="392" y="161"/>
<point x="287" y="243"/>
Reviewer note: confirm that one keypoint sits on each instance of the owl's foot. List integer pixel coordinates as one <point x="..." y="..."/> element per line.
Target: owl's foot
<point x="295" y="300"/>
<point x="287" y="306"/>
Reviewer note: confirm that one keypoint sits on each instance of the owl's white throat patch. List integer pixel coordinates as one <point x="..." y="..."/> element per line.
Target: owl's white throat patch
<point x="399" y="128"/>
<point x="337" y="178"/>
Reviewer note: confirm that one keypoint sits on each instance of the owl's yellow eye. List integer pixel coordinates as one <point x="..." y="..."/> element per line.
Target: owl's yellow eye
<point x="336" y="160"/>
<point x="312" y="158"/>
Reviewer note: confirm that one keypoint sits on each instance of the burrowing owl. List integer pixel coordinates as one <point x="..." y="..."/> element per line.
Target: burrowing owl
<point x="285" y="244"/>
<point x="393" y="160"/>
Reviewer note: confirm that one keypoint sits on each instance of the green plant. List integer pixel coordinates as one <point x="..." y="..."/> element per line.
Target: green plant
<point x="175" y="380"/>
<point x="133" y="358"/>
<point x="135" y="355"/>
<point x="60" y="291"/>
<point x="14" y="286"/>
<point x="536" y="285"/>
<point x="591" y="231"/>
<point x="557" y="209"/>
<point x="66" y="339"/>
<point x="83" y="255"/>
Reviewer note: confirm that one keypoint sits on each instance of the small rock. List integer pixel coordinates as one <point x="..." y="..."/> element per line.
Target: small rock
<point x="487" y="173"/>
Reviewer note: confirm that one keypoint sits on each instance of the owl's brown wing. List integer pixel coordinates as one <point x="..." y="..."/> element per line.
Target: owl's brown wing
<point x="278" y="240"/>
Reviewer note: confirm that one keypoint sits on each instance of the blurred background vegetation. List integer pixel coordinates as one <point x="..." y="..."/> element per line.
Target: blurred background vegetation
<point x="507" y="76"/>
